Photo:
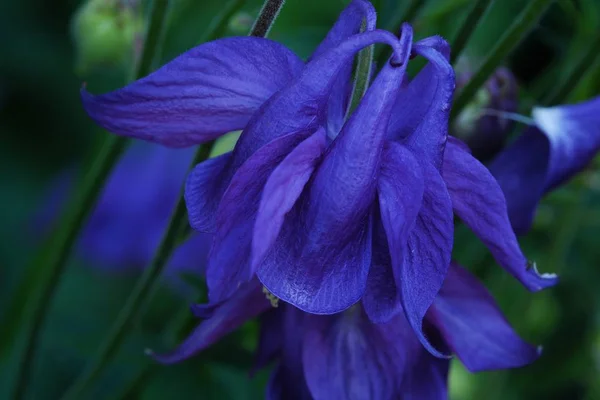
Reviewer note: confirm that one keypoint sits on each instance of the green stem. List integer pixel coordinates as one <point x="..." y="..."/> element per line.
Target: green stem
<point x="523" y="23"/>
<point x="362" y="77"/>
<point x="562" y="91"/>
<point x="73" y="222"/>
<point x="468" y="27"/>
<point x="218" y="25"/>
<point x="143" y="289"/>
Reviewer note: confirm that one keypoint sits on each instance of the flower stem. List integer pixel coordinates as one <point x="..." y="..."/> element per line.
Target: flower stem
<point x="523" y="23"/>
<point x="468" y="27"/>
<point x="143" y="289"/>
<point x="59" y="249"/>
<point x="562" y="91"/>
<point x="268" y="13"/>
<point x="362" y="77"/>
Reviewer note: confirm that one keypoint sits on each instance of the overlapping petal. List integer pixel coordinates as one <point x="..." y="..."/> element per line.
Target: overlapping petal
<point x="281" y="191"/>
<point x="246" y="303"/>
<point x="400" y="192"/>
<point x="229" y="263"/>
<point x="474" y="327"/>
<point x="426" y="379"/>
<point x="421" y="113"/>
<point x="210" y="90"/>
<point x="478" y="200"/>
<point x="321" y="261"/>
<point x="428" y="252"/>
<point x="372" y="357"/>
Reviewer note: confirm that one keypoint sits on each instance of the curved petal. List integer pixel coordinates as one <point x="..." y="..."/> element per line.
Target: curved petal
<point x="381" y="300"/>
<point x="574" y="135"/>
<point x="427" y="379"/>
<point x="345" y="356"/>
<point x="281" y="191"/>
<point x="204" y="189"/>
<point x="520" y="170"/>
<point x="327" y="240"/>
<point x="474" y="327"/>
<point x="400" y="188"/>
<point x="247" y="303"/>
<point x="348" y="24"/>
<point x="301" y="105"/>
<point x="229" y="260"/>
<point x="421" y="112"/>
<point x="428" y="252"/>
<point x="478" y="200"/>
<point x="206" y="92"/>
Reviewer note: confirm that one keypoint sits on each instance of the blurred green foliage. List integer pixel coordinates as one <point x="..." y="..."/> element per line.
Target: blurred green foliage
<point x="45" y="130"/>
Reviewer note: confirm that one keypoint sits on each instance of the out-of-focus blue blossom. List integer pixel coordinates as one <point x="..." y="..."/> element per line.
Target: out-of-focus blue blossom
<point x="562" y="142"/>
<point x="133" y="211"/>
<point x="482" y="124"/>
<point x="324" y="212"/>
<point x="346" y="356"/>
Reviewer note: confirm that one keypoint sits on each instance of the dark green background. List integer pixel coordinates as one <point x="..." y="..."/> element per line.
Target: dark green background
<point x="44" y="130"/>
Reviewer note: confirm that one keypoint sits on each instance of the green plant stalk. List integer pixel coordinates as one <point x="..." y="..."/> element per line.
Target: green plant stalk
<point x="68" y="231"/>
<point x="468" y="27"/>
<point x="523" y="23"/>
<point x="362" y="77"/>
<point x="143" y="289"/>
<point x="562" y="91"/>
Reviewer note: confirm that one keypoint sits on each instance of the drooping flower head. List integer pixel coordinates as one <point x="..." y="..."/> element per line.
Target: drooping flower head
<point x="324" y="212"/>
<point x="562" y="142"/>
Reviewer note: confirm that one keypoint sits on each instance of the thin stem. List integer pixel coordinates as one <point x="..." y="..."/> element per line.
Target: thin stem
<point x="266" y="17"/>
<point x="139" y="296"/>
<point x="523" y="23"/>
<point x="73" y="222"/>
<point x="143" y="289"/>
<point x="362" y="77"/>
<point x="468" y="27"/>
<point x="562" y="91"/>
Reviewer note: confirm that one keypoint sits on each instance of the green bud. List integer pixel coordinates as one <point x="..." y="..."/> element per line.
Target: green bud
<point x="241" y="23"/>
<point x="107" y="33"/>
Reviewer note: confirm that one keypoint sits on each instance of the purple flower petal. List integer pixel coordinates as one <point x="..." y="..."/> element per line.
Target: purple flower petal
<point x="478" y="200"/>
<point x="541" y="159"/>
<point x="245" y="304"/>
<point x="381" y="300"/>
<point x="400" y="189"/>
<point x="229" y="260"/>
<point x="321" y="261"/>
<point x="474" y="327"/>
<point x="427" y="379"/>
<point x="204" y="189"/>
<point x="281" y="191"/>
<point x="428" y="252"/>
<point x="422" y="110"/>
<point x="206" y="92"/>
<point x="301" y="106"/>
<point x="345" y="356"/>
<point x="348" y="24"/>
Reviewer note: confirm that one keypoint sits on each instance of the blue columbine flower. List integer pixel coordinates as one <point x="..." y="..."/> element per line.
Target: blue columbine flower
<point x="346" y="356"/>
<point x="562" y="142"/>
<point x="133" y="211"/>
<point x="323" y="212"/>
